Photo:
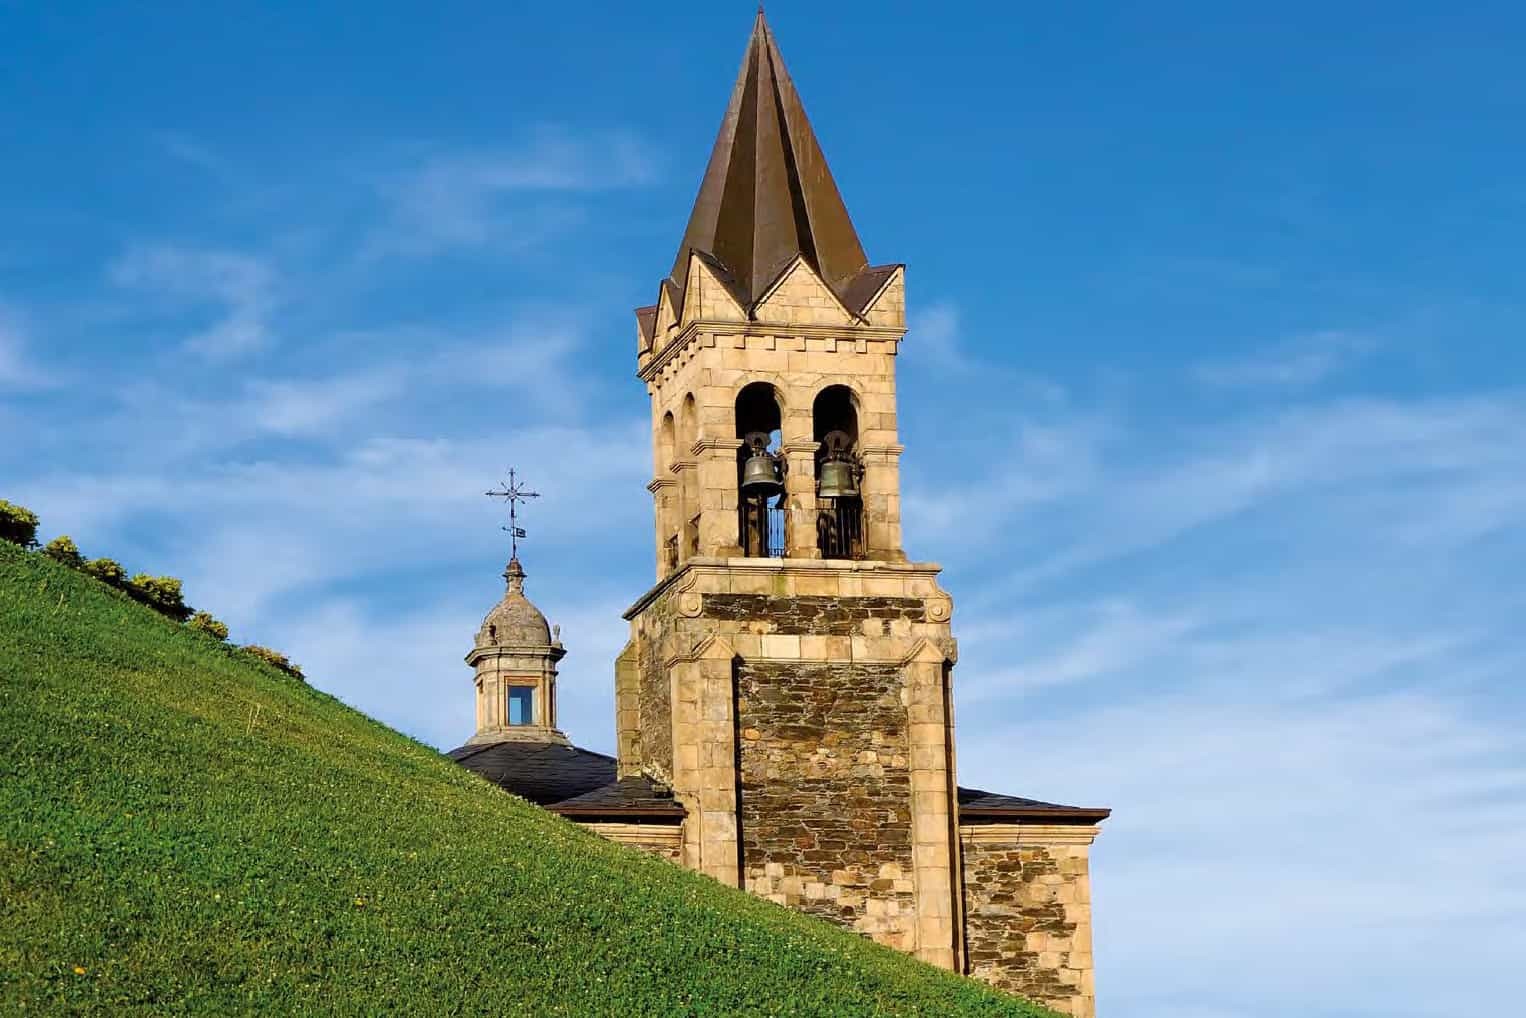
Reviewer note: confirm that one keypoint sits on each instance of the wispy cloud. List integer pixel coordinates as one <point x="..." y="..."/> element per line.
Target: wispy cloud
<point x="188" y="150"/>
<point x="932" y="337"/>
<point x="17" y="369"/>
<point x="1302" y="360"/>
<point x="1278" y="644"/>
<point x="1382" y="468"/>
<point x="1255" y="828"/>
<point x="464" y="199"/>
<point x="237" y="291"/>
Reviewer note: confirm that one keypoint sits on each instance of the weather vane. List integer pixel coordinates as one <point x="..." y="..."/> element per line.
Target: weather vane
<point x="513" y="492"/>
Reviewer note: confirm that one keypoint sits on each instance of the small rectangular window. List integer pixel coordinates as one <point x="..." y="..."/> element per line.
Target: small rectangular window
<point x="521" y="703"/>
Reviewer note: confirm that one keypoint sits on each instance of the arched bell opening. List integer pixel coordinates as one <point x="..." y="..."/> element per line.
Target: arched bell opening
<point x="688" y="426"/>
<point x="688" y="434"/>
<point x="666" y="450"/>
<point x="839" y="474"/>
<point x="760" y="472"/>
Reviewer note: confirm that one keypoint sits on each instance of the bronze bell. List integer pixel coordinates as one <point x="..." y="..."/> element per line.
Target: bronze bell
<point x="760" y="475"/>
<point x="837" y="479"/>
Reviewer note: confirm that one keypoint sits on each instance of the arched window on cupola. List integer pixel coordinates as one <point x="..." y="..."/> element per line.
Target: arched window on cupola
<point x="760" y="472"/>
<point x="839" y="474"/>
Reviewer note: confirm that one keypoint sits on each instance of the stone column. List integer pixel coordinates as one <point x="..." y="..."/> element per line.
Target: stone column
<point x="882" y="502"/>
<point x="800" y="497"/>
<point x="717" y="481"/>
<point x="932" y="805"/>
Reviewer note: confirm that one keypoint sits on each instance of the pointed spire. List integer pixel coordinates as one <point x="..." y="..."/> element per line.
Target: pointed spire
<point x="768" y="195"/>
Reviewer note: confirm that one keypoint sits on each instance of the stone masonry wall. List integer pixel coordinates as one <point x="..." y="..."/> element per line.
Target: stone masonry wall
<point x="656" y="717"/>
<point x="813" y="615"/>
<point x="654" y="693"/>
<point x="662" y="840"/>
<point x="826" y="794"/>
<point x="1028" y="919"/>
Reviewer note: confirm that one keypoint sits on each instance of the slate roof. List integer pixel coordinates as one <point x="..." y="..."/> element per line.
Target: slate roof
<point x="544" y="773"/>
<point x="646" y="320"/>
<point x="581" y="784"/>
<point x="634" y="796"/>
<point x="979" y="805"/>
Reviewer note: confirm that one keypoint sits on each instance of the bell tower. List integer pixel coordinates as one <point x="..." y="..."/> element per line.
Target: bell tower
<point x="789" y="673"/>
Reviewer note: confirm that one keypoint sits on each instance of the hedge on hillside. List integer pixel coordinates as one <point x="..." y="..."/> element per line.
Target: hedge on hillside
<point x="274" y="658"/>
<point x="205" y="623"/>
<point x="63" y="549"/>
<point x="18" y="524"/>
<point x="108" y="571"/>
<point x="161" y="593"/>
<point x="164" y="594"/>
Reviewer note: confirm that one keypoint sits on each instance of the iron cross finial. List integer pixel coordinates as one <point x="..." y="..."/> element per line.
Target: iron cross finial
<point x="513" y="491"/>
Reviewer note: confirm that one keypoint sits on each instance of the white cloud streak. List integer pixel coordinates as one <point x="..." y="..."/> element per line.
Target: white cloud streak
<point x="1300" y="361"/>
<point x="17" y="368"/>
<point x="463" y="199"/>
<point x="239" y="289"/>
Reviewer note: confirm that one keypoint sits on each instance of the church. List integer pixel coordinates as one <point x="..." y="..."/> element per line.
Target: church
<point x="784" y="708"/>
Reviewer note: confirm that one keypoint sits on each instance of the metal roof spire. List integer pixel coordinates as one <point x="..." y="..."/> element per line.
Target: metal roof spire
<point x="767" y="195"/>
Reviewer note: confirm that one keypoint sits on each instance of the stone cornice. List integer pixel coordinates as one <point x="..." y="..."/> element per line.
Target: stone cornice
<point x="1028" y="834"/>
<point x="881" y="453"/>
<point x="671" y="349"/>
<point x="555" y="652"/>
<point x="656" y="484"/>
<point x="800" y="566"/>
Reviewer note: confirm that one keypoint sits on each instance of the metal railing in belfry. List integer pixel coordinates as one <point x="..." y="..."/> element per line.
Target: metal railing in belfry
<point x="761" y="527"/>
<point x="840" y="528"/>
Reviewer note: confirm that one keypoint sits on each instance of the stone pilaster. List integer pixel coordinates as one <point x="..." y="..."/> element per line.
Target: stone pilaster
<point x="704" y="757"/>
<point x="628" y="711"/>
<point x="934" y="854"/>
<point x="665" y="496"/>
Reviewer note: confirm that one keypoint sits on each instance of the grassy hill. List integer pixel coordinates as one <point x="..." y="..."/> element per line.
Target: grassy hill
<point x="186" y="831"/>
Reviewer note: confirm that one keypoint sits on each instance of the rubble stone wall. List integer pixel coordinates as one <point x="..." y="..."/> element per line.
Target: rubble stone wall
<point x="1027" y="913"/>
<point x="826" y="793"/>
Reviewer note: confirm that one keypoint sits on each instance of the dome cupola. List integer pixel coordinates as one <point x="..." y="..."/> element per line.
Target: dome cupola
<point x="514" y="662"/>
<point x="515" y="621"/>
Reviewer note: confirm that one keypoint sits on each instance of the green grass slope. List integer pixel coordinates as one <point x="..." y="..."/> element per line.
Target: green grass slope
<point x="185" y="831"/>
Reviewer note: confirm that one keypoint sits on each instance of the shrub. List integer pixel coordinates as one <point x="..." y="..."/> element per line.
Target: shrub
<point x="204" y="622"/>
<point x="108" y="572"/>
<point x="274" y="658"/>
<point x="18" y="524"/>
<point x="63" y="549"/>
<point x="161" y="593"/>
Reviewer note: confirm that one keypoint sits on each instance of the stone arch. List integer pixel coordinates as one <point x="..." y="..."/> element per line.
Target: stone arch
<point x="839" y="472"/>
<point x="835" y="407"/>
<point x="688" y="428"/>
<point x="666" y="440"/>
<point x="759" y="406"/>
<point x="759" y="410"/>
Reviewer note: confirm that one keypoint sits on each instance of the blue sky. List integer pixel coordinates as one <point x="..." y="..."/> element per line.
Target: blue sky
<point x="1214" y="400"/>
